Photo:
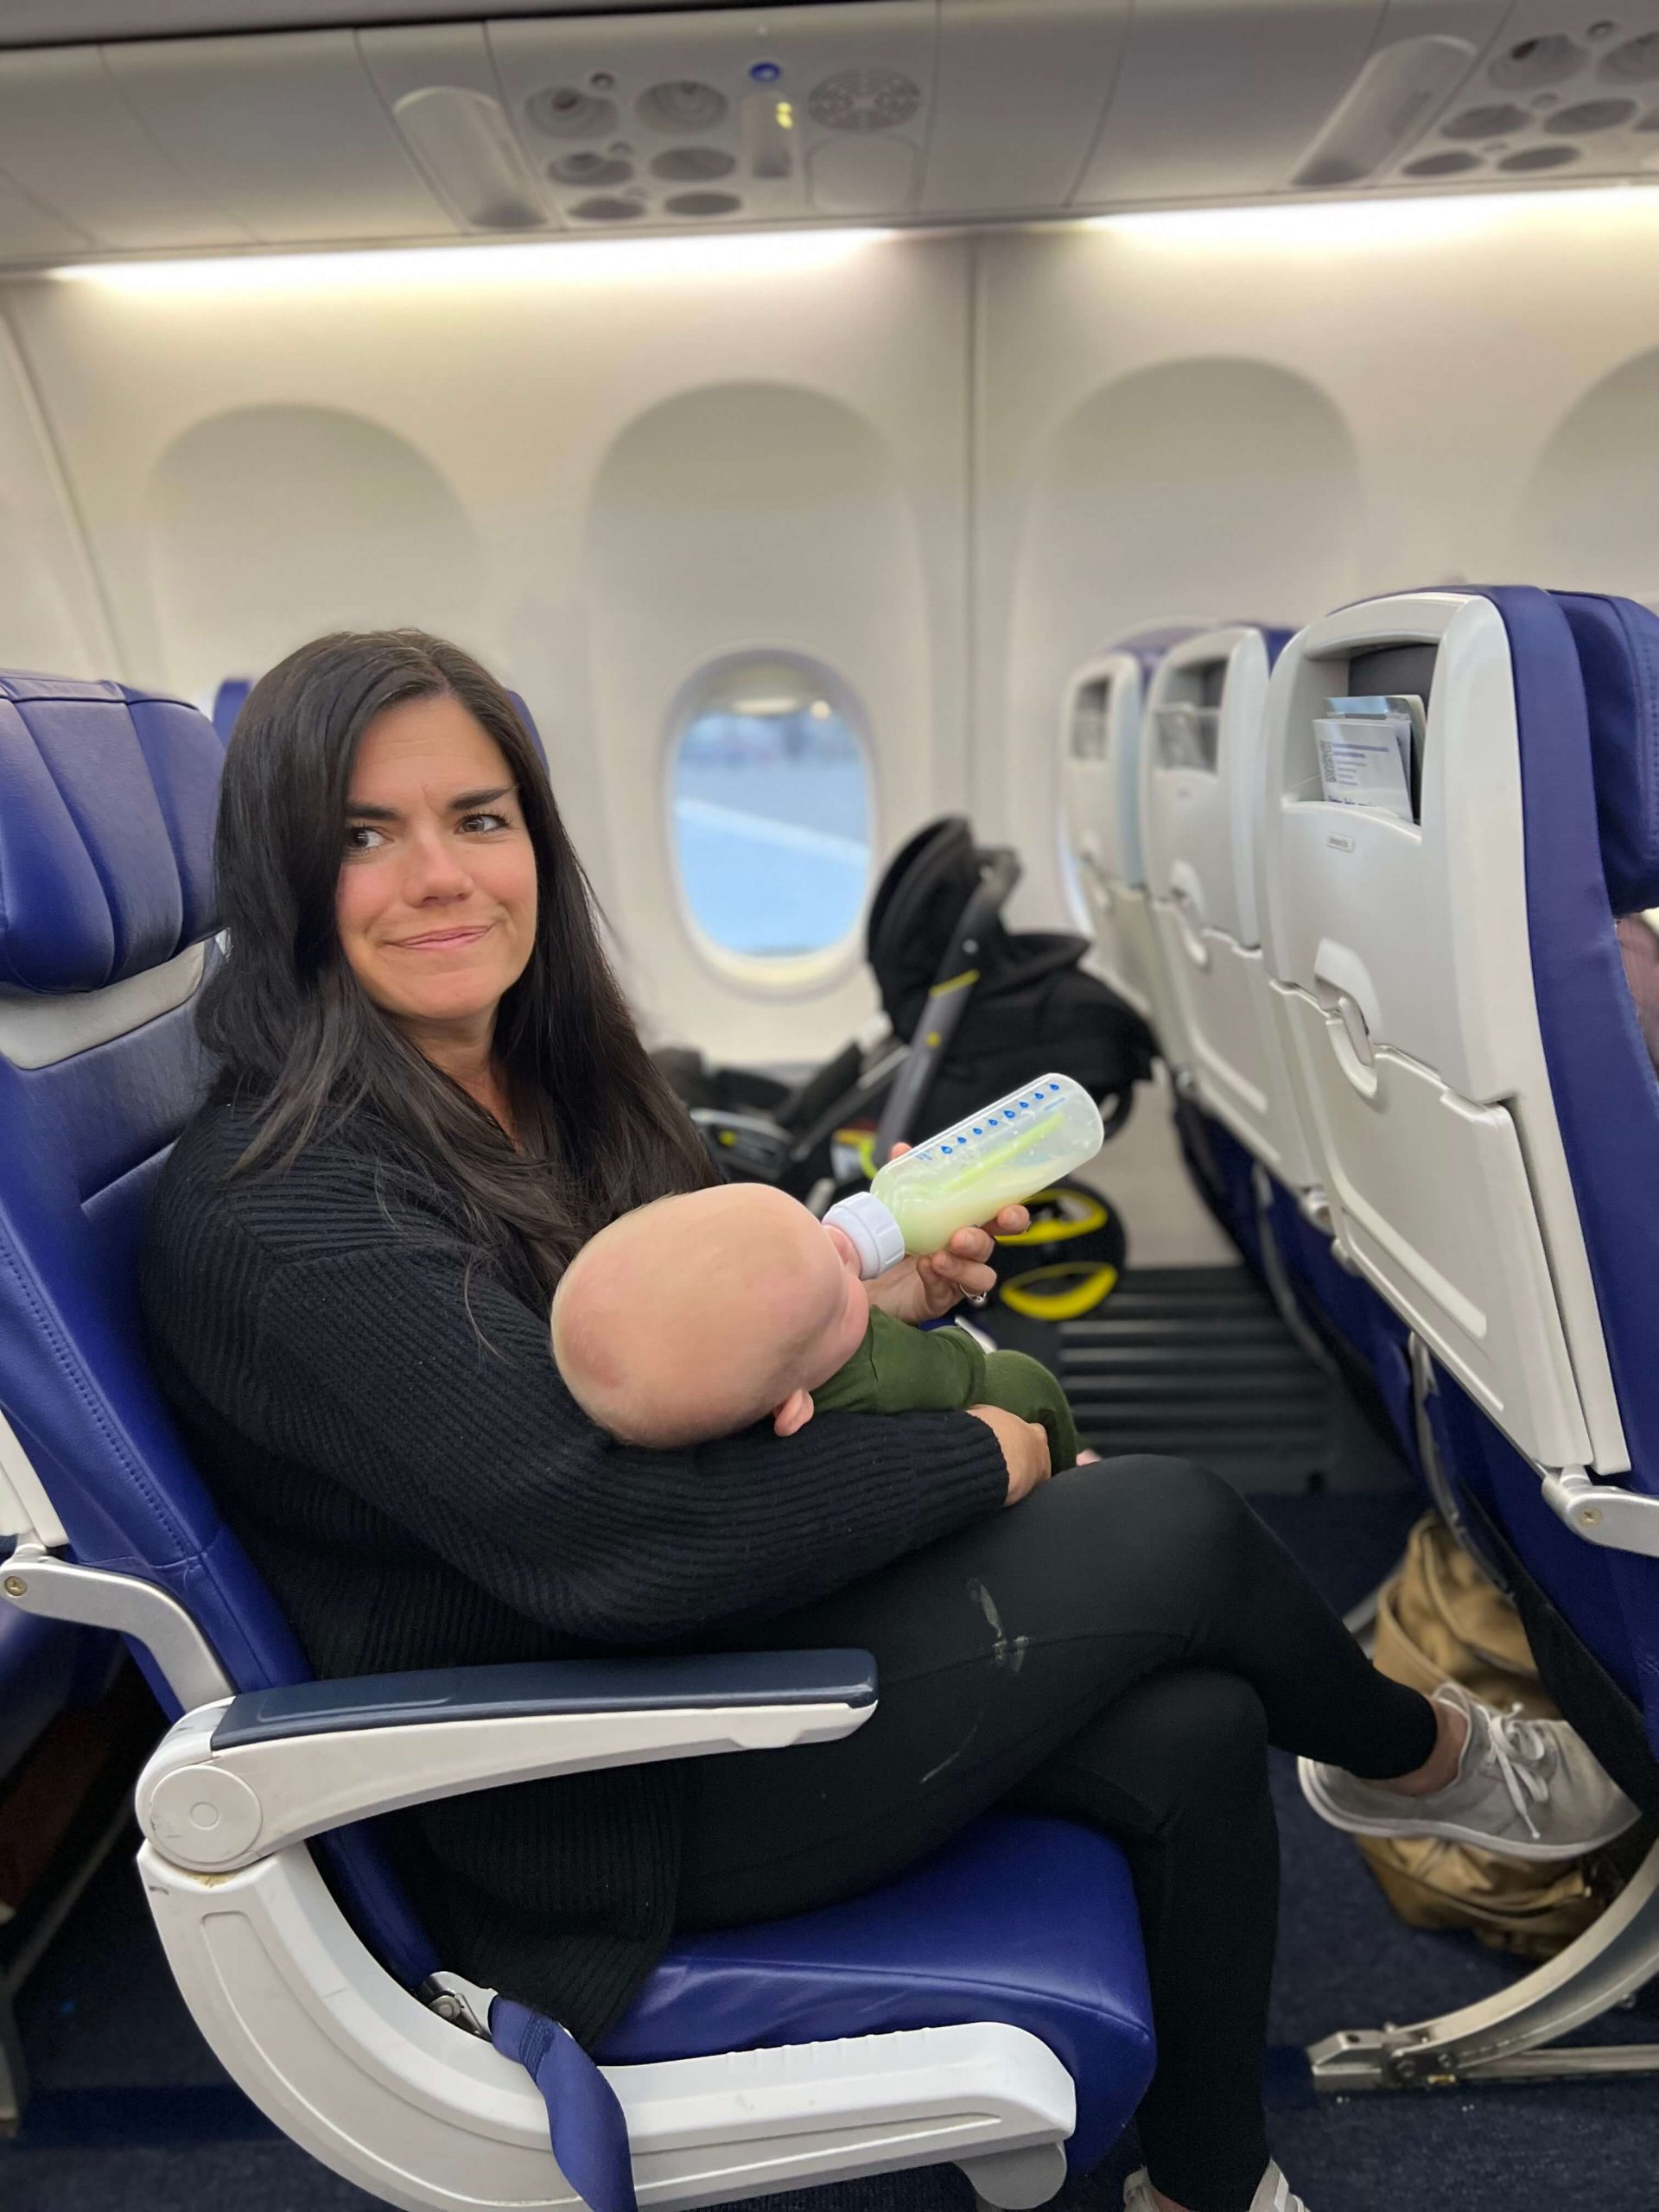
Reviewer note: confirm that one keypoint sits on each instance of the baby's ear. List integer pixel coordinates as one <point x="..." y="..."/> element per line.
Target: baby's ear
<point x="795" y="1413"/>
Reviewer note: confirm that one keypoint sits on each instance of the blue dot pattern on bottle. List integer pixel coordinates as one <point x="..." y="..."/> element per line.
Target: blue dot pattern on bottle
<point x="958" y="1138"/>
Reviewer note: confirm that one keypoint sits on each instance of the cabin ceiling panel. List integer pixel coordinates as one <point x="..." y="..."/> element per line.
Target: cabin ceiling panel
<point x="69" y="138"/>
<point x="288" y="134"/>
<point x="670" y="118"/>
<point x="1215" y="100"/>
<point x="49" y="23"/>
<point x="1019" y="101"/>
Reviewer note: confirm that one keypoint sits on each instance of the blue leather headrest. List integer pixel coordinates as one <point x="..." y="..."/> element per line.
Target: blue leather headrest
<point x="1617" y="646"/>
<point x="228" y="701"/>
<point x="107" y="800"/>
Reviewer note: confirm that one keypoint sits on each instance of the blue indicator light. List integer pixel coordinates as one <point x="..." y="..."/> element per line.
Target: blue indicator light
<point x="1053" y="1086"/>
<point x="765" y="72"/>
<point x="978" y="1132"/>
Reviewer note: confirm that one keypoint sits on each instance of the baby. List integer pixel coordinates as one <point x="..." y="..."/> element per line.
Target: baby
<point x="698" y="1315"/>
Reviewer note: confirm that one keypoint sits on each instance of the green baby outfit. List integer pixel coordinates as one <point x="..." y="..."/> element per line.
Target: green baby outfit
<point x="898" y="1370"/>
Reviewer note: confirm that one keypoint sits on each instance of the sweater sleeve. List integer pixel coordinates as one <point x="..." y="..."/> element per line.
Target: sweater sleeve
<point x="457" y="1426"/>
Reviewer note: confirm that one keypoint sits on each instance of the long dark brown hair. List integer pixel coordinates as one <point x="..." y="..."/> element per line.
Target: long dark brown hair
<point x="291" y="1028"/>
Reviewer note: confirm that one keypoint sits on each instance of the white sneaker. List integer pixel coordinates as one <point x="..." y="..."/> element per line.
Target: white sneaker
<point x="1527" y="1789"/>
<point x="1272" y="2194"/>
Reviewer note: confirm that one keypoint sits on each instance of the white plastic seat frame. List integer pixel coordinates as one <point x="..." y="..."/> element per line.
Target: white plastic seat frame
<point x="1401" y="985"/>
<point x="1100" y="736"/>
<point x="1201" y="829"/>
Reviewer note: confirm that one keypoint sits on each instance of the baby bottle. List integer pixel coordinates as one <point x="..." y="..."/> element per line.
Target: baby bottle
<point x="970" y="1172"/>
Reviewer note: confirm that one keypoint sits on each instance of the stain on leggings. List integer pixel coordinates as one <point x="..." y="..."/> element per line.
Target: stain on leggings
<point x="1006" y="1651"/>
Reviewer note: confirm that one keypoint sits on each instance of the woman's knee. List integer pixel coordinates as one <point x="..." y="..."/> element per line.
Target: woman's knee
<point x="1188" y="1740"/>
<point x="1200" y="1516"/>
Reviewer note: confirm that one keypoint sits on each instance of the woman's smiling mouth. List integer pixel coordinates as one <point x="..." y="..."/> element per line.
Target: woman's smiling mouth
<point x="442" y="940"/>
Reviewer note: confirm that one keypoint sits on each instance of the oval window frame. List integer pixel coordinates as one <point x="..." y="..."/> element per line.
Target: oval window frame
<point x="789" y="974"/>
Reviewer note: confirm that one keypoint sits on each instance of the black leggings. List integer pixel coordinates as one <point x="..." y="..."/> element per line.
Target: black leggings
<point x="1119" y="1649"/>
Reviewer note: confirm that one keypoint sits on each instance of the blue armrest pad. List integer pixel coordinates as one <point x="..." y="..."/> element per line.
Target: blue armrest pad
<point x="549" y="1686"/>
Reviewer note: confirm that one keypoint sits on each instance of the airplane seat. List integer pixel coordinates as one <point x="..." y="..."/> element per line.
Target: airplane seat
<point x="232" y="692"/>
<point x="227" y="705"/>
<point x="1297" y="1262"/>
<point x="988" y="2007"/>
<point x="1485" y="1107"/>
<point x="1101" y="738"/>
<point x="1200" y="780"/>
<point x="1200" y="793"/>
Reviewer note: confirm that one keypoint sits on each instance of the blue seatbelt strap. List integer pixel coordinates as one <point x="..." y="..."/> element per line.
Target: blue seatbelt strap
<point x="585" y="2124"/>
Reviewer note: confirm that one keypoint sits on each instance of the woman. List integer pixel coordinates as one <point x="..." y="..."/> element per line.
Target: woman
<point x="430" y="1094"/>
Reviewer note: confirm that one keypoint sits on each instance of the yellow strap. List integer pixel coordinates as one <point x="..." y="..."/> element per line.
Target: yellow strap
<point x="861" y="1144"/>
<point x="955" y="983"/>
<point x="1090" y="1215"/>
<point x="1058" y="1305"/>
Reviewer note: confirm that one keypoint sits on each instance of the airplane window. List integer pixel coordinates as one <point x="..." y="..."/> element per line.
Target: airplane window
<point x="771" y="807"/>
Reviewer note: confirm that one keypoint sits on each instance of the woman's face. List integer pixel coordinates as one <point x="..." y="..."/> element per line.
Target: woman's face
<point x="436" y="906"/>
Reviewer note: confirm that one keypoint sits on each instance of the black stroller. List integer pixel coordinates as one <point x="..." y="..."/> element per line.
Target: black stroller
<point x="973" y="1009"/>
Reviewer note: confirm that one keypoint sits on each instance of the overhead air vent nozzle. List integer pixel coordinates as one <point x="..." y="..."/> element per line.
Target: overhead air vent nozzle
<point x="465" y="145"/>
<point x="1390" y="101"/>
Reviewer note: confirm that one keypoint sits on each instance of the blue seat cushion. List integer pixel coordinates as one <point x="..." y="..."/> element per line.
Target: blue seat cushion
<point x="1022" y="1920"/>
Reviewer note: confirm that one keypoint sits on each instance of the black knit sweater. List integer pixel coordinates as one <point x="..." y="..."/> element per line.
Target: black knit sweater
<point x="418" y="1488"/>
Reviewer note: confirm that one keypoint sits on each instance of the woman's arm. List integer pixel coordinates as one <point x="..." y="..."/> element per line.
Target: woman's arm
<point x="373" y="1374"/>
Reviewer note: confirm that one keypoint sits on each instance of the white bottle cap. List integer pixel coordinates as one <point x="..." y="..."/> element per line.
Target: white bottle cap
<point x="871" y="1230"/>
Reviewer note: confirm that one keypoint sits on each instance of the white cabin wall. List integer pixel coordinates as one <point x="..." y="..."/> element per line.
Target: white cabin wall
<point x="1260" y="414"/>
<point x="51" y="616"/>
<point x="598" y="484"/>
<point x="595" y="483"/>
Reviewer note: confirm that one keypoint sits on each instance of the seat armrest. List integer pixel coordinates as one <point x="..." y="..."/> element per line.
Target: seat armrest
<point x="734" y="1679"/>
<point x="245" y="1777"/>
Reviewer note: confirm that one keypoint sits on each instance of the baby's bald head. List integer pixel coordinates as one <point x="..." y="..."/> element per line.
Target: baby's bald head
<point x="695" y="1316"/>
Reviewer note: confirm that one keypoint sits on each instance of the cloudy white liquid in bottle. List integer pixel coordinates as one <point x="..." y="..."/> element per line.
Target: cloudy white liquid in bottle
<point x="970" y="1170"/>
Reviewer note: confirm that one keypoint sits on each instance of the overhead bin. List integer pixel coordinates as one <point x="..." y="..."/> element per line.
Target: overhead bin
<point x="286" y="133"/>
<point x="1021" y="100"/>
<point x="71" y="141"/>
<point x="661" y="118"/>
